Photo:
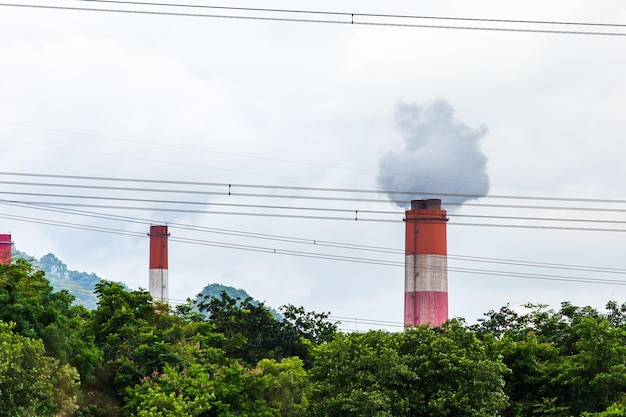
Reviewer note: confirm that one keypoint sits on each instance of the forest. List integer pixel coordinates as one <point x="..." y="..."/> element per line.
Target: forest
<point x="231" y="357"/>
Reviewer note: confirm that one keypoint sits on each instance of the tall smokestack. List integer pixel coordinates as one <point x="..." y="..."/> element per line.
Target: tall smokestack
<point x="6" y="252"/>
<point x="426" y="265"/>
<point x="158" y="263"/>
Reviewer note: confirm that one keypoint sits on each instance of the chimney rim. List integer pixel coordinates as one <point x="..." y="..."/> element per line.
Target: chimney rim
<point x="426" y="204"/>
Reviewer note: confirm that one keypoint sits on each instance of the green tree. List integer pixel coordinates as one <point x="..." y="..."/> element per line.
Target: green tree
<point x="530" y="385"/>
<point x="593" y="367"/>
<point x="172" y="394"/>
<point x="134" y="339"/>
<point x="420" y="372"/>
<point x="499" y="323"/>
<point x="200" y="391"/>
<point x="252" y="330"/>
<point x="312" y="326"/>
<point x="565" y="362"/>
<point x="151" y="352"/>
<point x="28" y="301"/>
<point x="614" y="410"/>
<point x="32" y="383"/>
<point x="283" y="385"/>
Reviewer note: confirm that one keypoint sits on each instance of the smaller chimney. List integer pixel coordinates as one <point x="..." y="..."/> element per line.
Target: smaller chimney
<point x="158" y="263"/>
<point x="6" y="251"/>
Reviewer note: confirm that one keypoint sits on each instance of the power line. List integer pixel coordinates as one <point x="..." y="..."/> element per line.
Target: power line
<point x="212" y="212"/>
<point x="544" y="277"/>
<point x="563" y="228"/>
<point x="201" y="203"/>
<point x="276" y="251"/>
<point x="357" y="215"/>
<point x="260" y="158"/>
<point x="70" y="225"/>
<point x="350" y="21"/>
<point x="311" y="197"/>
<point x="356" y="212"/>
<point x="425" y="193"/>
<point x="204" y="242"/>
<point x="332" y="319"/>
<point x="256" y="9"/>
<point x="323" y="243"/>
<point x="533" y="264"/>
<point x="325" y="256"/>
<point x="543" y="219"/>
<point x="229" y="189"/>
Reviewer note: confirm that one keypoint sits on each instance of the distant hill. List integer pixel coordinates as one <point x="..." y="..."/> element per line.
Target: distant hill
<point x="79" y="284"/>
<point x="215" y="290"/>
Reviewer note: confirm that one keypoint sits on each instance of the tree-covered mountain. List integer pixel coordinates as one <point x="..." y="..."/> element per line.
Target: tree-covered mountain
<point x="215" y="290"/>
<point x="80" y="284"/>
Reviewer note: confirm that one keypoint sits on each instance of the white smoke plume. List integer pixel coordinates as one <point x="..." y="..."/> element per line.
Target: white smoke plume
<point x="440" y="155"/>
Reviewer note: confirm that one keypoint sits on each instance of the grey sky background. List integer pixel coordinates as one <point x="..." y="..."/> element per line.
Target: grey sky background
<point x="317" y="105"/>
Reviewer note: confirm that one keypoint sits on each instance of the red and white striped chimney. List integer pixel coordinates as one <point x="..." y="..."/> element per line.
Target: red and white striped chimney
<point x="426" y="265"/>
<point x="158" y="263"/>
<point x="6" y="251"/>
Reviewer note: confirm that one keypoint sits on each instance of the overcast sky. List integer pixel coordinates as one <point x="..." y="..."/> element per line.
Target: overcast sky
<point x="319" y="105"/>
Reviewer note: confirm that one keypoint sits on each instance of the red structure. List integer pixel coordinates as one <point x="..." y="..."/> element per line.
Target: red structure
<point x="6" y="251"/>
<point x="426" y="265"/>
<point x="158" y="263"/>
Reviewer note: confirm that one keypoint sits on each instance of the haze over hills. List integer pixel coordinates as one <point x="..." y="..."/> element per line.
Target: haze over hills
<point x="81" y="284"/>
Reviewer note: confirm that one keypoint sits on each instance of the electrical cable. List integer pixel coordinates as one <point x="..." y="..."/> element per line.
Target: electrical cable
<point x="257" y="9"/>
<point x="357" y="213"/>
<point x="264" y="206"/>
<point x="226" y="213"/>
<point x="300" y="216"/>
<point x="273" y="160"/>
<point x="324" y="198"/>
<point x="534" y="264"/>
<point x="331" y="319"/>
<point x="548" y="219"/>
<point x="519" y="226"/>
<point x="349" y="21"/>
<point x="198" y="203"/>
<point x="324" y="243"/>
<point x="263" y="158"/>
<point x="231" y="186"/>
<point x="324" y="256"/>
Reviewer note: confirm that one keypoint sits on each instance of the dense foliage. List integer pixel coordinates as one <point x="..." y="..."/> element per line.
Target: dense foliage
<point x="234" y="357"/>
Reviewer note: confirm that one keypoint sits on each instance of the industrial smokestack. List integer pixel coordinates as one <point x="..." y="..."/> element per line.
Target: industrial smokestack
<point x="6" y="251"/>
<point x="426" y="265"/>
<point x="158" y="263"/>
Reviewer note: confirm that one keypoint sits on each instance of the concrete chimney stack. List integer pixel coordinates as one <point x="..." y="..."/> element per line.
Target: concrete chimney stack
<point x="426" y="264"/>
<point x="158" y="285"/>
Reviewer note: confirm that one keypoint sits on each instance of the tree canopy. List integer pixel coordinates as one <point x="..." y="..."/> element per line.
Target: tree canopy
<point x="131" y="356"/>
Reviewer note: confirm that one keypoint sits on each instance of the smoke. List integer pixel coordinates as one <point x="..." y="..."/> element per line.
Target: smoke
<point x="440" y="155"/>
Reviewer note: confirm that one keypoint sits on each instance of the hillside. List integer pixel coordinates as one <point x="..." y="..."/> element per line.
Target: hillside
<point x="215" y="290"/>
<point x="79" y="284"/>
